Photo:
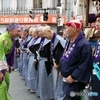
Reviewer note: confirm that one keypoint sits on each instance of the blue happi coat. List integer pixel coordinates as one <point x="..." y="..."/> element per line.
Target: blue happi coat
<point x="79" y="67"/>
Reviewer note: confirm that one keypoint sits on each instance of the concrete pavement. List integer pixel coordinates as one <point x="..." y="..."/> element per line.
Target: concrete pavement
<point x="18" y="90"/>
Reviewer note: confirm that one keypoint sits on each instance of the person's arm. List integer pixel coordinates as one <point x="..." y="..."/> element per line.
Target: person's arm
<point x="2" y="56"/>
<point x="83" y="72"/>
<point x="57" y="55"/>
<point x="10" y="60"/>
<point x="10" y="56"/>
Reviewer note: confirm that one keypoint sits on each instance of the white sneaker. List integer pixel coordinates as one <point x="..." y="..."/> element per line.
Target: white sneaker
<point x="15" y="70"/>
<point x="32" y="91"/>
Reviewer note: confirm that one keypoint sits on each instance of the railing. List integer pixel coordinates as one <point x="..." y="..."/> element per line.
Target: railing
<point x="25" y="11"/>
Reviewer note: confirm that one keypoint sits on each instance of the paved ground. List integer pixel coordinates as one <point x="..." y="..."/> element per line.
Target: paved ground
<point x="18" y="90"/>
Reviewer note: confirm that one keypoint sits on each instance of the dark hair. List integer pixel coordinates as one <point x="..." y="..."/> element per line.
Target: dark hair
<point x="26" y="30"/>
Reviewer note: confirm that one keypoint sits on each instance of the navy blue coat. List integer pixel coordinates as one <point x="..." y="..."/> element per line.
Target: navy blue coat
<point x="79" y="67"/>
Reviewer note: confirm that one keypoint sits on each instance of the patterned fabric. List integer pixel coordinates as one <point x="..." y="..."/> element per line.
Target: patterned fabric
<point x="3" y="65"/>
<point x="5" y="47"/>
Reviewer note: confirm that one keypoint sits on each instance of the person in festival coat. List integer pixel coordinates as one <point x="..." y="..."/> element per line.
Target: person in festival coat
<point x="24" y="50"/>
<point x="16" y="55"/>
<point x="59" y="94"/>
<point x="7" y="46"/>
<point x="32" y="68"/>
<point x="45" y="71"/>
<point x="76" y="62"/>
<point x="56" y="49"/>
<point x="96" y="65"/>
<point x="21" y="53"/>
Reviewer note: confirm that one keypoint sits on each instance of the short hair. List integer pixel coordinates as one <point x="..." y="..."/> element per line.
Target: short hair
<point x="40" y="28"/>
<point x="31" y="29"/>
<point x="35" y="30"/>
<point x="26" y="30"/>
<point x="47" y="27"/>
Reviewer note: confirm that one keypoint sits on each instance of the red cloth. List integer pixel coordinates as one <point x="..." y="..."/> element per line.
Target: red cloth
<point x="75" y="23"/>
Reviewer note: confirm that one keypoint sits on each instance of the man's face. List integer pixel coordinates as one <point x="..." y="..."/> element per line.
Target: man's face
<point x="25" y="33"/>
<point x="30" y="33"/>
<point x="15" y="32"/>
<point x="40" y="32"/>
<point x="46" y="34"/>
<point x="33" y="34"/>
<point x="98" y="24"/>
<point x="23" y="36"/>
<point x="70" y="31"/>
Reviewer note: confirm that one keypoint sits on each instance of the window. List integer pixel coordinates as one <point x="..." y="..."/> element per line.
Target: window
<point x="21" y="4"/>
<point x="40" y="6"/>
<point x="37" y="3"/>
<point x="59" y="3"/>
<point x="5" y="4"/>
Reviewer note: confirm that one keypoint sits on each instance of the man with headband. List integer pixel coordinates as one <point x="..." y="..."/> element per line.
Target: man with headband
<point x="7" y="46"/>
<point x="76" y="62"/>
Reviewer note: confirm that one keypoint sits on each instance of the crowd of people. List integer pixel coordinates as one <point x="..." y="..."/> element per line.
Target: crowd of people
<point x="37" y="51"/>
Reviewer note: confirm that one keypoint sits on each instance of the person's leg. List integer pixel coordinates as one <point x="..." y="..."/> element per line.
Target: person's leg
<point x="66" y="98"/>
<point x="72" y="98"/>
<point x="59" y="94"/>
<point x="15" y="65"/>
<point x="75" y="98"/>
<point x="3" y="89"/>
<point x="95" y="87"/>
<point x="7" y="80"/>
<point x="4" y="95"/>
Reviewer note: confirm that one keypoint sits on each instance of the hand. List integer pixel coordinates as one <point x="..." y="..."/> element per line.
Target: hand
<point x="27" y="49"/>
<point x="10" y="69"/>
<point x="60" y="75"/>
<point x="69" y="79"/>
<point x="21" y="51"/>
<point x="56" y="66"/>
<point x="93" y="50"/>
<point x="87" y="85"/>
<point x="35" y="61"/>
<point x="17" y="50"/>
<point x="1" y="76"/>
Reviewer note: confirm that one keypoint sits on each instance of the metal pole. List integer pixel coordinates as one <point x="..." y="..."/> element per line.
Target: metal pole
<point x="58" y="27"/>
<point x="87" y="12"/>
<point x="69" y="9"/>
<point x="83" y="13"/>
